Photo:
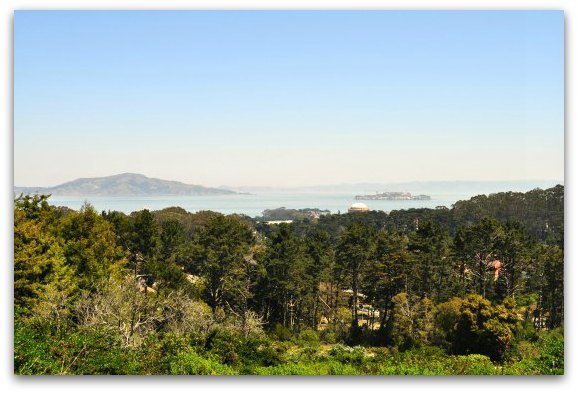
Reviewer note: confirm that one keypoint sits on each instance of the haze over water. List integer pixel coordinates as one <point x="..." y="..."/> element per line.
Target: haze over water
<point x="253" y="204"/>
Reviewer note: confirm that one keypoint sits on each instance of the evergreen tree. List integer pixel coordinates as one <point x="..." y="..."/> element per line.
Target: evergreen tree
<point x="430" y="247"/>
<point x="385" y="276"/>
<point x="476" y="247"/>
<point x="221" y="252"/>
<point x="355" y="249"/>
<point x="90" y="247"/>
<point x="513" y="251"/>
<point x="285" y="277"/>
<point x="40" y="265"/>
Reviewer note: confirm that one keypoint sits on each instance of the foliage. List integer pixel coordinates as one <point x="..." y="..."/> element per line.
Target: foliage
<point x="191" y="363"/>
<point x="307" y="338"/>
<point x="40" y="265"/>
<point x="221" y="254"/>
<point x="478" y="326"/>
<point x="84" y="351"/>
<point x="413" y="321"/>
<point x="476" y="289"/>
<point x="90" y="247"/>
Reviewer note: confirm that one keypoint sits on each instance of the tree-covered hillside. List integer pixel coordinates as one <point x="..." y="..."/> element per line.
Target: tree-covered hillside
<point x="475" y="289"/>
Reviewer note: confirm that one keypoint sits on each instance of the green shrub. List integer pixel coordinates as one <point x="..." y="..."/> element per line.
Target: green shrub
<point x="87" y="351"/>
<point x="354" y="335"/>
<point x="316" y="368"/>
<point x="473" y="365"/>
<point x="305" y="354"/>
<point x="348" y="355"/>
<point x="307" y="338"/>
<point x="477" y="326"/>
<point x="224" y="343"/>
<point x="522" y="350"/>
<point x="155" y="352"/>
<point x="259" y="350"/>
<point x="550" y="360"/>
<point x="281" y="333"/>
<point x="329" y="337"/>
<point x="422" y="361"/>
<point x="190" y="362"/>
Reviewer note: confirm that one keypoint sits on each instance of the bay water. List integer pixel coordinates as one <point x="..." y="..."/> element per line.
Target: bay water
<point x="251" y="205"/>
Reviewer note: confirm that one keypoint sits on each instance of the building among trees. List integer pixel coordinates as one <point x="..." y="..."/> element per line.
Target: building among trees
<point x="358" y="207"/>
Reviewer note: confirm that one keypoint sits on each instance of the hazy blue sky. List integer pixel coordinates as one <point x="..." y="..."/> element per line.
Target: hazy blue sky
<point x="289" y="98"/>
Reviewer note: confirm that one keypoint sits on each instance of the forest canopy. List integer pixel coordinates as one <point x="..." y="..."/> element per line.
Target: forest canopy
<point x="474" y="289"/>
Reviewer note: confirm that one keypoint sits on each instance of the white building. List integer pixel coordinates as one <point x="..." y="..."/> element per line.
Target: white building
<point x="358" y="207"/>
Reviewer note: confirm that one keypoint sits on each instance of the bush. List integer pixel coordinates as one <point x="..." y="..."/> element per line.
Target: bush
<point x="329" y="337"/>
<point x="224" y="344"/>
<point x="473" y="365"/>
<point x="479" y="327"/>
<point x="156" y="352"/>
<point x="260" y="351"/>
<point x="190" y="362"/>
<point x="281" y="333"/>
<point x="355" y="335"/>
<point x="307" y="338"/>
<point x="349" y="355"/>
<point x="315" y="368"/>
<point x="422" y="361"/>
<point x="550" y="360"/>
<point x="87" y="351"/>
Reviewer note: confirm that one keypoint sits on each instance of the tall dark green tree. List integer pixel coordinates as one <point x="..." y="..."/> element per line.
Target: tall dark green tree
<point x="318" y="269"/>
<point x="167" y="266"/>
<point x="285" y="279"/>
<point x="144" y="234"/>
<point x="386" y="276"/>
<point x="513" y="250"/>
<point x="430" y="249"/>
<point x="144" y="244"/>
<point x="476" y="247"/>
<point x="355" y="249"/>
<point x="550" y="260"/>
<point x="221" y="252"/>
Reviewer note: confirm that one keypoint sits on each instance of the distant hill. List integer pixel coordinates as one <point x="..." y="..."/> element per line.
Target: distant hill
<point x="126" y="184"/>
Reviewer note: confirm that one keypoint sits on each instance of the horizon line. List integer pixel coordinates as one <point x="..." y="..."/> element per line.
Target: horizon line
<point x="353" y="183"/>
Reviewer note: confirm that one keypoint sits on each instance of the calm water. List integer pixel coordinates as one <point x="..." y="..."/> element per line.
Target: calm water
<point x="251" y="205"/>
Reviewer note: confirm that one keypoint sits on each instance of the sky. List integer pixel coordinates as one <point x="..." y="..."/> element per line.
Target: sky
<point x="288" y="98"/>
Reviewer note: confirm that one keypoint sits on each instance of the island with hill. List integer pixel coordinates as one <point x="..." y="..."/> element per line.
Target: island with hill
<point x="125" y="184"/>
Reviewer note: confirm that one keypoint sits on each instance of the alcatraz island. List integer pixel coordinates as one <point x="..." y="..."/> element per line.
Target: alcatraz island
<point x="393" y="196"/>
